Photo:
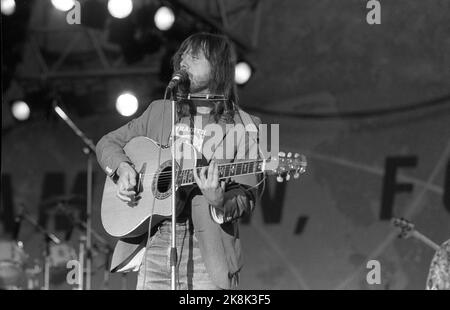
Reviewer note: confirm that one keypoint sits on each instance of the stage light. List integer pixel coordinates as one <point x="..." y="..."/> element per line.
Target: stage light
<point x="164" y="18"/>
<point x="120" y="8"/>
<point x="127" y="104"/>
<point x="242" y="73"/>
<point x="8" y="7"/>
<point x="63" y="5"/>
<point x="20" y="110"/>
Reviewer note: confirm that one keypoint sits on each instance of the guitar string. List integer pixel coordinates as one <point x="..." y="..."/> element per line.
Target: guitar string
<point x="165" y="176"/>
<point x="190" y="170"/>
<point x="170" y="172"/>
<point x="220" y="166"/>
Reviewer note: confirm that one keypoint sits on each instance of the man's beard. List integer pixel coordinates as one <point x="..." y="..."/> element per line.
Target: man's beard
<point x="198" y="88"/>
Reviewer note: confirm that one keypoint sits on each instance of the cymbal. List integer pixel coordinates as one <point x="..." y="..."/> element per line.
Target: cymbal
<point x="64" y="199"/>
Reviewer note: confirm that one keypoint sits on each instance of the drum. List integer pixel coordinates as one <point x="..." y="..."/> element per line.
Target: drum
<point x="59" y="255"/>
<point x="12" y="261"/>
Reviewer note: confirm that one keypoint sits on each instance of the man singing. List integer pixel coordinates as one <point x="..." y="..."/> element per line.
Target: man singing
<point x="207" y="236"/>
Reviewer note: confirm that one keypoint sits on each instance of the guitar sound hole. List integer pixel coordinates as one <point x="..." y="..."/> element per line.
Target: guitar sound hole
<point x="165" y="179"/>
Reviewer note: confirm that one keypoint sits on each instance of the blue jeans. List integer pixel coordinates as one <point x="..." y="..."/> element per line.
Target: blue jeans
<point x="155" y="272"/>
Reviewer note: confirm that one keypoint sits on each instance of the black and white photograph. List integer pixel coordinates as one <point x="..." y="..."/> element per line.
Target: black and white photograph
<point x="249" y="146"/>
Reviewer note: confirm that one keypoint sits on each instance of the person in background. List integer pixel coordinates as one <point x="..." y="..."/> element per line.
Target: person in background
<point x="439" y="273"/>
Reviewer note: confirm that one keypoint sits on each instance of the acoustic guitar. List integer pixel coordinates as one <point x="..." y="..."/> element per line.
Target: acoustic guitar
<point x="153" y="187"/>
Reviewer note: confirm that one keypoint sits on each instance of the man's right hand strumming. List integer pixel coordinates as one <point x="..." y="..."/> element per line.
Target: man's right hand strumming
<point x="126" y="183"/>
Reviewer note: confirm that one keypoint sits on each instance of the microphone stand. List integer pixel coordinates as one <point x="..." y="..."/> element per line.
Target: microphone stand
<point x="89" y="149"/>
<point x="107" y="267"/>
<point x="173" y="250"/>
<point x="49" y="237"/>
<point x="105" y="248"/>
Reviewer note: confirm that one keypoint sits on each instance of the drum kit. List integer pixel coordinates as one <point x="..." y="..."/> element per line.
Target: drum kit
<point x="20" y="271"/>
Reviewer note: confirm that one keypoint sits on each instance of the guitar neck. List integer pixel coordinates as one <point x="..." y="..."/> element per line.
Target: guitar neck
<point x="186" y="176"/>
<point x="425" y="240"/>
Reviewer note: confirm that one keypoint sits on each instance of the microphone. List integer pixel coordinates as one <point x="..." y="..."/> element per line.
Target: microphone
<point x="180" y="76"/>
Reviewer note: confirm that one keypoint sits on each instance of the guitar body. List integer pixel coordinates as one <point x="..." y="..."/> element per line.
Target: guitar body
<point x="131" y="219"/>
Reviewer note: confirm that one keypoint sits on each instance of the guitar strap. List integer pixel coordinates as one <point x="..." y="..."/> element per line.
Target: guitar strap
<point x="247" y="120"/>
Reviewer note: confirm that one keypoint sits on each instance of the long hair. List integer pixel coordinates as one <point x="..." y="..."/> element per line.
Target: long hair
<point x="219" y="51"/>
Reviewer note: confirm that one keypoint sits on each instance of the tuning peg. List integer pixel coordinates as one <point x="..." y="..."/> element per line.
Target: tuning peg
<point x="297" y="155"/>
<point x="279" y="178"/>
<point x="288" y="177"/>
<point x="296" y="175"/>
<point x="289" y="155"/>
<point x="282" y="154"/>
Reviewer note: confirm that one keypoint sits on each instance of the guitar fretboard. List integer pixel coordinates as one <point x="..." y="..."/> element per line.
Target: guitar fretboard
<point x="186" y="177"/>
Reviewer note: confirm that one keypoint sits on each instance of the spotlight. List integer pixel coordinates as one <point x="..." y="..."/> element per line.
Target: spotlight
<point x="243" y="72"/>
<point x="164" y="18"/>
<point x="63" y="5"/>
<point x="8" y="7"/>
<point x="20" y="110"/>
<point x="120" y="8"/>
<point x="127" y="104"/>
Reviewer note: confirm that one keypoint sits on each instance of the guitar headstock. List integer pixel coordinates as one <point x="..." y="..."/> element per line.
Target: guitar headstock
<point x="289" y="165"/>
<point x="405" y="226"/>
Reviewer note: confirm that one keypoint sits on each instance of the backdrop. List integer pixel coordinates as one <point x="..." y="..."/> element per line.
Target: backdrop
<point x="315" y="60"/>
